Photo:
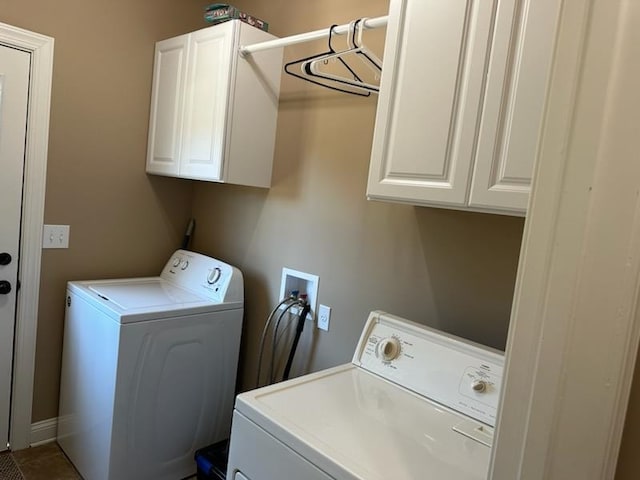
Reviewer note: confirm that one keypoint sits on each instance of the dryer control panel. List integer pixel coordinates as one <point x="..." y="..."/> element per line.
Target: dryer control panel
<point x="205" y="275"/>
<point x="454" y="372"/>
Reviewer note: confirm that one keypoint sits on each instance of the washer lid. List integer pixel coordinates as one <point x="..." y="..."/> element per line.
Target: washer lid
<point x="140" y="299"/>
<point x="355" y="425"/>
<point x="147" y="293"/>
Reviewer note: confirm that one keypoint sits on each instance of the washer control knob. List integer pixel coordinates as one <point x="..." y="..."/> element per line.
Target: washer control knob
<point x="214" y="276"/>
<point x="479" y="386"/>
<point x="176" y="262"/>
<point x="389" y="349"/>
<point x="185" y="264"/>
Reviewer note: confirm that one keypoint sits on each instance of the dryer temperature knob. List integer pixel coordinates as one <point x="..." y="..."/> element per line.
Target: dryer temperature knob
<point x="479" y="386"/>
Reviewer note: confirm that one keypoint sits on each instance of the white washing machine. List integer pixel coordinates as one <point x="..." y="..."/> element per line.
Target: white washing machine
<point x="149" y="369"/>
<point x="414" y="403"/>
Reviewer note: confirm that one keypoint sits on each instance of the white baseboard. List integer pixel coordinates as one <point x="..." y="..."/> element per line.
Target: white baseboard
<point x="43" y="432"/>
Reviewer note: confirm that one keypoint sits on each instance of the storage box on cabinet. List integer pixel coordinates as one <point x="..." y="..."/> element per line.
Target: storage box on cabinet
<point x="461" y="103"/>
<point x="213" y="112"/>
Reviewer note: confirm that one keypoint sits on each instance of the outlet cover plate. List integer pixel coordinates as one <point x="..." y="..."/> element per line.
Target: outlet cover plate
<point x="324" y="315"/>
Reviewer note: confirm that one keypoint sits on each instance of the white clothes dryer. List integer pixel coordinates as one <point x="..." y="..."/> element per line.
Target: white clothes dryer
<point x="149" y="369"/>
<point x="414" y="404"/>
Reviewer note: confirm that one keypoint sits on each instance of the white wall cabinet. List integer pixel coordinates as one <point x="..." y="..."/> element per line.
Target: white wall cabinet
<point x="213" y="112"/>
<point x="461" y="103"/>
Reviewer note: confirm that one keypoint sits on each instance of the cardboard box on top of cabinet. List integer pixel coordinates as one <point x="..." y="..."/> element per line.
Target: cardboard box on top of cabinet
<point x="222" y="12"/>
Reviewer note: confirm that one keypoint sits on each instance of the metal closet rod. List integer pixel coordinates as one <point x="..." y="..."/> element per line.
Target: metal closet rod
<point x="369" y="23"/>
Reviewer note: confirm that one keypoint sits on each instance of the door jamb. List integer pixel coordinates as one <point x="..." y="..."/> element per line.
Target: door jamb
<point x="575" y="323"/>
<point x="41" y="49"/>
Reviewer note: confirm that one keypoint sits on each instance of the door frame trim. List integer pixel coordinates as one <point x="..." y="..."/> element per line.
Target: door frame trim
<point x="575" y="323"/>
<point x="41" y="49"/>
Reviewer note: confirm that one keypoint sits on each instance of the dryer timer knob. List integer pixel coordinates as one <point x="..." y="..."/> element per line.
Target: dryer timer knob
<point x="389" y="349"/>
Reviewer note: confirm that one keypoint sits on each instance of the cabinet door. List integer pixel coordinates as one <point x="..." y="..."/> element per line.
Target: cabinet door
<point x="165" y="125"/>
<point x="431" y="92"/>
<point x="210" y="66"/>
<point x="517" y="80"/>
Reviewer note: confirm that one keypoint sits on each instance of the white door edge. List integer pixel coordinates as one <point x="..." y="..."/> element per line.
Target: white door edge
<point x="41" y="49"/>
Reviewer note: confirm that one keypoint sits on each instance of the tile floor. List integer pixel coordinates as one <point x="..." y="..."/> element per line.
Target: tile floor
<point x="46" y="462"/>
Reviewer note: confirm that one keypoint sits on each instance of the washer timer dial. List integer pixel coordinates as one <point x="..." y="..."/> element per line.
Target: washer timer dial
<point x="389" y="349"/>
<point x="214" y="276"/>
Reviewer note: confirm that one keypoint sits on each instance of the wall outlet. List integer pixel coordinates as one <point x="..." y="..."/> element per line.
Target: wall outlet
<point x="55" y="236"/>
<point x="324" y="315"/>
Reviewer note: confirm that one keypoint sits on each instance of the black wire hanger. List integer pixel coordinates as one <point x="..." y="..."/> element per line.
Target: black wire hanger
<point x="288" y="68"/>
<point x="356" y="48"/>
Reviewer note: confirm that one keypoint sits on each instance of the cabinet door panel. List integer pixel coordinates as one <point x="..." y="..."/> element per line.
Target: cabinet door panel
<point x="163" y="155"/>
<point x="517" y="79"/>
<point x="435" y="60"/>
<point x="207" y="96"/>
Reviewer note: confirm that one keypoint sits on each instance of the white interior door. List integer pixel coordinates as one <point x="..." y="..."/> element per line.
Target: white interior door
<point x="14" y="91"/>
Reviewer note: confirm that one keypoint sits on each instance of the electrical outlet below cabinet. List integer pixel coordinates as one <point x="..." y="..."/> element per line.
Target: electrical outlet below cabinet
<point x="461" y="103"/>
<point x="214" y="112"/>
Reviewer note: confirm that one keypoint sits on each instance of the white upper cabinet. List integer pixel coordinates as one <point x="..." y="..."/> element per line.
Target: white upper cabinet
<point x="213" y="112"/>
<point x="461" y="103"/>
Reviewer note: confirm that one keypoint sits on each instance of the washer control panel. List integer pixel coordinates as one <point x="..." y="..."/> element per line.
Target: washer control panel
<point x="207" y="276"/>
<point x="457" y="373"/>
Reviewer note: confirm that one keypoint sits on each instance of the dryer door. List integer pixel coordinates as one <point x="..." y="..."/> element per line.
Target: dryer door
<point x="260" y="456"/>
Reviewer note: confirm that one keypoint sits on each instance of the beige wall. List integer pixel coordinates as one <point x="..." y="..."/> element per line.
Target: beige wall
<point x="449" y="269"/>
<point x="123" y="223"/>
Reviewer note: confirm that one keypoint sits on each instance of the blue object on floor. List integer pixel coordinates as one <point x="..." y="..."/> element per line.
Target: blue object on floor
<point x="212" y="461"/>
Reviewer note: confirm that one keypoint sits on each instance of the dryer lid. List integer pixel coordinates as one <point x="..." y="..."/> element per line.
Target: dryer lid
<point x="352" y="424"/>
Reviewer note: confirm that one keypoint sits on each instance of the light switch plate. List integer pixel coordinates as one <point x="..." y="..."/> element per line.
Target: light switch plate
<point x="55" y="236"/>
